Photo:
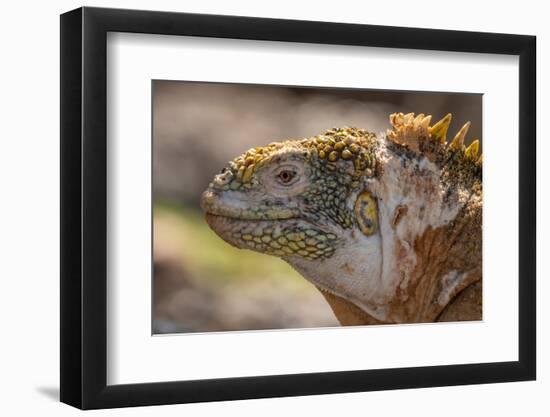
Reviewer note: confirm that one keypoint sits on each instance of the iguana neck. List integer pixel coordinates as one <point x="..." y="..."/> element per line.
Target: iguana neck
<point x="427" y="267"/>
<point x="431" y="287"/>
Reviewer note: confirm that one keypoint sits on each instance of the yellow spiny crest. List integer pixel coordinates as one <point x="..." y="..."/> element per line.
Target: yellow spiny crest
<point x="479" y="161"/>
<point x="408" y="129"/>
<point x="472" y="150"/>
<point x="458" y="140"/>
<point x="457" y="144"/>
<point x="438" y="131"/>
<point x="416" y="133"/>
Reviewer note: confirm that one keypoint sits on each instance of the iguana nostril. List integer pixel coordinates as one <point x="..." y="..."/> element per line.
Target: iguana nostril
<point x="223" y="178"/>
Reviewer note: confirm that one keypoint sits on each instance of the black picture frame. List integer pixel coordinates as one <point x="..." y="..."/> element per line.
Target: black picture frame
<point x="84" y="207"/>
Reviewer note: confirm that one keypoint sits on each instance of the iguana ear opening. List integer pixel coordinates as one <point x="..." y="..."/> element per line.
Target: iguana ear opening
<point x="366" y="213"/>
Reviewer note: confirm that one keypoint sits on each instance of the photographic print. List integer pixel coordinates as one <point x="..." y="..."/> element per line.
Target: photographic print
<point x="305" y="197"/>
<point x="278" y="207"/>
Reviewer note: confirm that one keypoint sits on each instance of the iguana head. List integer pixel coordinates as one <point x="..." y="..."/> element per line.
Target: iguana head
<point x="345" y="207"/>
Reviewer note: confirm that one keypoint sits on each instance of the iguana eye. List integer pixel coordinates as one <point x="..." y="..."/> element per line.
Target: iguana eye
<point x="286" y="176"/>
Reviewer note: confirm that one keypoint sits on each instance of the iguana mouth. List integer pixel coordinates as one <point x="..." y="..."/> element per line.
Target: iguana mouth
<point x="215" y="204"/>
<point x="283" y="237"/>
<point x="269" y="229"/>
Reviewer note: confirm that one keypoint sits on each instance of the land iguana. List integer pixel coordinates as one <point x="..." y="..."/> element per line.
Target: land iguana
<point x="388" y="227"/>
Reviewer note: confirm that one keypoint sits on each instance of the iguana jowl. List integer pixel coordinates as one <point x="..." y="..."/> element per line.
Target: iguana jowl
<point x="388" y="228"/>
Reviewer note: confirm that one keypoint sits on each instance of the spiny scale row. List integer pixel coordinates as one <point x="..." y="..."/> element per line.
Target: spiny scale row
<point x="407" y="126"/>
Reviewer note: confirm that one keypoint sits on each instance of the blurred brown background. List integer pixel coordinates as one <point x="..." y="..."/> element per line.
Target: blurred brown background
<point x="200" y="282"/>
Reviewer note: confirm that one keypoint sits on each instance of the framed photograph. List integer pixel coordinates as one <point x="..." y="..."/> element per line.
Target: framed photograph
<point x="258" y="208"/>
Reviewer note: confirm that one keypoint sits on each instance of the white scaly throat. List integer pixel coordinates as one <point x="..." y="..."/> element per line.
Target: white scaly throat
<point x="368" y="269"/>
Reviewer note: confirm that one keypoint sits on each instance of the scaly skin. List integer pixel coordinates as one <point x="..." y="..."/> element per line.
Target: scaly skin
<point x="388" y="228"/>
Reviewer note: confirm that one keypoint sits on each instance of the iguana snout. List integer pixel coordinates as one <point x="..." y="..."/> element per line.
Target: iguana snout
<point x="275" y="200"/>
